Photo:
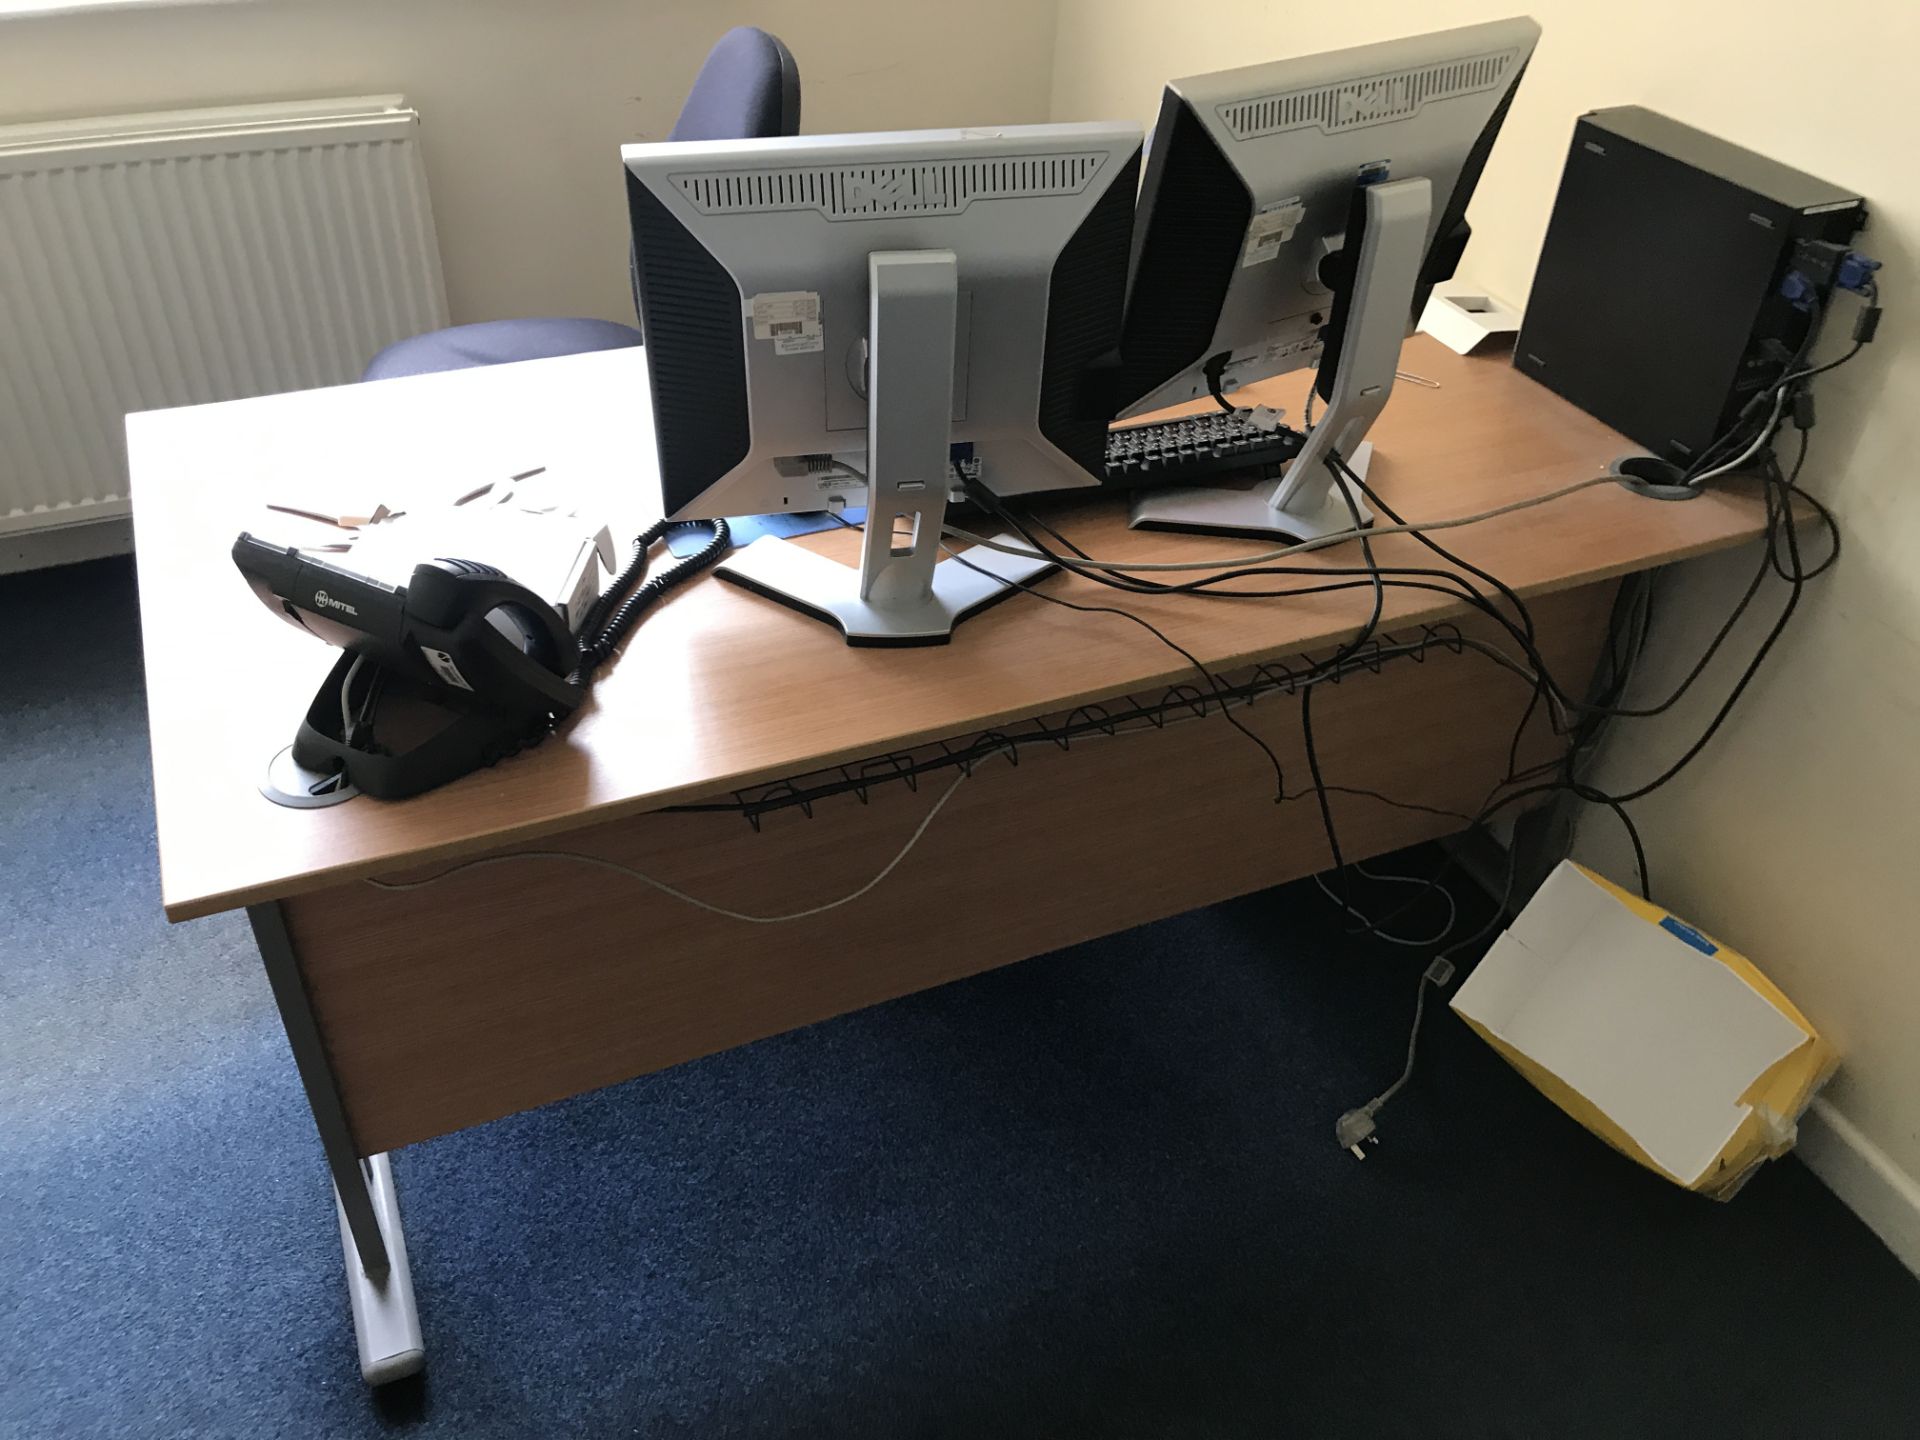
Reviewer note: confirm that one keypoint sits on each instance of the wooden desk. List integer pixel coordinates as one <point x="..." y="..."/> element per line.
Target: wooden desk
<point x="510" y="985"/>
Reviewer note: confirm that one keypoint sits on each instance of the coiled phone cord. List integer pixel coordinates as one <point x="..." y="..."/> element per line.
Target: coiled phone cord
<point x="610" y="617"/>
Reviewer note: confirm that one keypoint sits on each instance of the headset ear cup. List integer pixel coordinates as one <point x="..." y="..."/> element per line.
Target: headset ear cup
<point x="452" y="566"/>
<point x="525" y="630"/>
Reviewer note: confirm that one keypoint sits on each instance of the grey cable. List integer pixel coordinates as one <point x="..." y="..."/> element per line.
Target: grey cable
<point x="346" y="706"/>
<point x="1766" y="433"/>
<point x="1413" y="1046"/>
<point x="665" y="889"/>
<point x="1372" y="532"/>
<point x="1411" y="943"/>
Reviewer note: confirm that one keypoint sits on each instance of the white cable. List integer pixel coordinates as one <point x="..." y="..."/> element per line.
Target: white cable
<point x="1074" y="562"/>
<point x="1357" y="1126"/>
<point x="615" y="866"/>
<point x="1421" y="943"/>
<point x="681" y="895"/>
<point x="346" y="689"/>
<point x="1375" y="1105"/>
<point x="1766" y="434"/>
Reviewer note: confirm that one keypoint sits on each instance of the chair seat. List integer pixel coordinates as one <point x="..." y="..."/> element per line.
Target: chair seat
<point x="497" y="342"/>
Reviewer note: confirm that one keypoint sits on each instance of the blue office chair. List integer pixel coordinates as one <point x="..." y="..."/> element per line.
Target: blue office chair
<point x="749" y="88"/>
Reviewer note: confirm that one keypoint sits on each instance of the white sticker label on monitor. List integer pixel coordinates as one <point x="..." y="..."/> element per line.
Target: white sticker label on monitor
<point x="1271" y="229"/>
<point x="444" y="667"/>
<point x="790" y="319"/>
<point x="798" y="344"/>
<point x="1281" y="350"/>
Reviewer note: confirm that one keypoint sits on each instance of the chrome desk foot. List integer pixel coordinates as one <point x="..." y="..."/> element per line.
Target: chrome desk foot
<point x="386" y="1322"/>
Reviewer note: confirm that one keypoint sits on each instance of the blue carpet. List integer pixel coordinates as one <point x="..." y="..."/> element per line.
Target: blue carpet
<point x="1094" y="1194"/>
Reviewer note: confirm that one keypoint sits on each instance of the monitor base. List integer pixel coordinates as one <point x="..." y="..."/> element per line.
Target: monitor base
<point x="1249" y="510"/>
<point x="830" y="591"/>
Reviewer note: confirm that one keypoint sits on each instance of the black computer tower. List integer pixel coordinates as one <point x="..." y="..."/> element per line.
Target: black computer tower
<point x="1657" y="304"/>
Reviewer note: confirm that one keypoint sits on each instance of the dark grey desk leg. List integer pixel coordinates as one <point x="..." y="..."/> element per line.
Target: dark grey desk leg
<point x="386" y="1323"/>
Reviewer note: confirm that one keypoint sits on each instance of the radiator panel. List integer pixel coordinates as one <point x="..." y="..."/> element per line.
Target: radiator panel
<point x="173" y="259"/>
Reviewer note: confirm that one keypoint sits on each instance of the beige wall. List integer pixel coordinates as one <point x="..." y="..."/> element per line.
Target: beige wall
<point x="1795" y="836"/>
<point x="526" y="102"/>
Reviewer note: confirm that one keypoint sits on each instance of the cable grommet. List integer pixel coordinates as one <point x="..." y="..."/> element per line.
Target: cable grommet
<point x="1653" y="477"/>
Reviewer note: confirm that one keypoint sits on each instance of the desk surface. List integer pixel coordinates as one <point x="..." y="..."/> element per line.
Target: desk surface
<point x="719" y="688"/>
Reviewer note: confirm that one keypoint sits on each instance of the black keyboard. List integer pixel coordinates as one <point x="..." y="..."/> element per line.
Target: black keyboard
<point x="1196" y="446"/>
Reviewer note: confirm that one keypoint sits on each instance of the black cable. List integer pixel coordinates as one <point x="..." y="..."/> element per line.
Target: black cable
<point x="1522" y="611"/>
<point x="1526" y="633"/>
<point x="1757" y="403"/>
<point x="1336" y="465"/>
<point x="1797" y="580"/>
<point x="1413" y="805"/>
<point x="1463" y="592"/>
<point x="1834" y="364"/>
<point x="1632" y="611"/>
<point x="1523" y="635"/>
<point x="1377" y="578"/>
<point x="1595" y="713"/>
<point x="1320" y="791"/>
<point x="1442" y="582"/>
<point x="1064" y="542"/>
<point x="1448" y="583"/>
<point x="1319" y="788"/>
<point x="1617" y="803"/>
<point x="994" y="742"/>
<point x="1609" y="710"/>
<point x="1783" y="490"/>
<point x="621" y="605"/>
<point x="1796" y="374"/>
<point x="1827" y="521"/>
<point x="591" y="622"/>
<point x="1781" y="523"/>
<point x="1212" y="680"/>
<point x="1215" y="371"/>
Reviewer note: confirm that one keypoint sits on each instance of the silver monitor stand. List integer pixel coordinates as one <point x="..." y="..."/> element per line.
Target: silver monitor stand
<point x="1304" y="504"/>
<point x="903" y="594"/>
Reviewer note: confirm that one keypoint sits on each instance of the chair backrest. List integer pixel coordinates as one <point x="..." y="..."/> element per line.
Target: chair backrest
<point x="748" y="89"/>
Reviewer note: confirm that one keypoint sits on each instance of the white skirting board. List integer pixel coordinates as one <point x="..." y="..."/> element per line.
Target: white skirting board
<point x="64" y="544"/>
<point x="1864" y="1177"/>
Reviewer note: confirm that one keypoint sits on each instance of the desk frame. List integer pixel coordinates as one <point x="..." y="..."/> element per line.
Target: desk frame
<point x="385" y="994"/>
<point x="386" y="1318"/>
<point x="385" y="997"/>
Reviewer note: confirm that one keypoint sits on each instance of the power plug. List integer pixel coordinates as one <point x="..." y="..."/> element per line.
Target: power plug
<point x="1354" y="1130"/>
<point x="1354" y="1127"/>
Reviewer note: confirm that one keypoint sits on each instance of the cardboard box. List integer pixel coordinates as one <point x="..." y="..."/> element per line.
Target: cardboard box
<point x="1669" y="1046"/>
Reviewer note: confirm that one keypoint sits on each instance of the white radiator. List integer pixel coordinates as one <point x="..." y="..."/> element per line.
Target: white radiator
<point x="169" y="259"/>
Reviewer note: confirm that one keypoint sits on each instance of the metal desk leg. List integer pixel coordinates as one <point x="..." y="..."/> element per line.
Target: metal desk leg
<point x="386" y="1323"/>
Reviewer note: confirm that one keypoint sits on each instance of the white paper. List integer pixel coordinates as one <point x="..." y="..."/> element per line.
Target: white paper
<point x="1660" y="1037"/>
<point x="1460" y="317"/>
<point x="561" y="558"/>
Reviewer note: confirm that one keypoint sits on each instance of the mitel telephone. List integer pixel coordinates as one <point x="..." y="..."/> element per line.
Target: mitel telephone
<point x="457" y="669"/>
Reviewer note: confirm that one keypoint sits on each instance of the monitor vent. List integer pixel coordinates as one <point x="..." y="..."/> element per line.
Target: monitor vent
<point x="862" y="192"/>
<point x="1351" y="104"/>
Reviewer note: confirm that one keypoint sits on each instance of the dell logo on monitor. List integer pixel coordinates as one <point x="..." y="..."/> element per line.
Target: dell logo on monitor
<point x="1376" y="100"/>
